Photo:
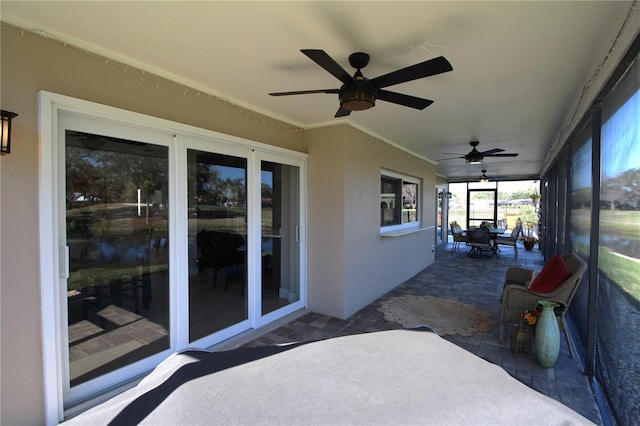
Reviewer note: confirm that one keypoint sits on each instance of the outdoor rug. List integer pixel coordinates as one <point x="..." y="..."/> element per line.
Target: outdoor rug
<point x="444" y="316"/>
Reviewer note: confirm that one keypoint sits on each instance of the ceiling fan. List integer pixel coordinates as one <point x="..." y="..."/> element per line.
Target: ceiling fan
<point x="484" y="177"/>
<point x="358" y="93"/>
<point x="475" y="157"/>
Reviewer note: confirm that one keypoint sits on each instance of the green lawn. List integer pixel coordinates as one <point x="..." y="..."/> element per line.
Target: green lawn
<point x="624" y="272"/>
<point x="621" y="270"/>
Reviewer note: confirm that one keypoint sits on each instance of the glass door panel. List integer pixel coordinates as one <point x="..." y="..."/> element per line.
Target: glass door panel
<point x="280" y="245"/>
<point x="118" y="237"/>
<point x="217" y="209"/>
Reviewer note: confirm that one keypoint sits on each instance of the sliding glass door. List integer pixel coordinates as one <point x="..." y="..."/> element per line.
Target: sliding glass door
<point x="165" y="240"/>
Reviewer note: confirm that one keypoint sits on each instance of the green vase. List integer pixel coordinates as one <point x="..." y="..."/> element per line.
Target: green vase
<point x="547" y="335"/>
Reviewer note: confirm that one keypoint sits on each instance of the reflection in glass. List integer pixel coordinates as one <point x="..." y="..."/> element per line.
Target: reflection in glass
<point x="280" y="246"/>
<point x="398" y="201"/>
<point x="617" y="363"/>
<point x="117" y="234"/>
<point x="217" y="195"/>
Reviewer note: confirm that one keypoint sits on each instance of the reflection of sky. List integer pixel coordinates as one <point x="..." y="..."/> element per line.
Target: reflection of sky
<point x="267" y="178"/>
<point x="581" y="167"/>
<point x="621" y="139"/>
<point x="233" y="173"/>
<point x="620" y="146"/>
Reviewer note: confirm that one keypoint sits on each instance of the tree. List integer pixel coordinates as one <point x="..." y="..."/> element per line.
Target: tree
<point x="528" y="217"/>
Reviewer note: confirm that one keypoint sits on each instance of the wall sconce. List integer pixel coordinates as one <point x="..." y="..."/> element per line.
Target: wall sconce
<point x="5" y="135"/>
<point x="449" y="195"/>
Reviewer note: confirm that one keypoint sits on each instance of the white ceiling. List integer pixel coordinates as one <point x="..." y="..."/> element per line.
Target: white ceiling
<point x="519" y="68"/>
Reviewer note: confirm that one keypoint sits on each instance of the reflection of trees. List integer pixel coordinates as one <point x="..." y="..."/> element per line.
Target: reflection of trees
<point x="266" y="190"/>
<point x="208" y="185"/>
<point x="623" y="191"/>
<point x="409" y="194"/>
<point x="96" y="176"/>
<point x="212" y="190"/>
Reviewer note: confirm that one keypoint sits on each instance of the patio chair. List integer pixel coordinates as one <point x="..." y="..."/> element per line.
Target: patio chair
<point x="480" y="241"/>
<point x="511" y="240"/>
<point x="458" y="236"/>
<point x="557" y="282"/>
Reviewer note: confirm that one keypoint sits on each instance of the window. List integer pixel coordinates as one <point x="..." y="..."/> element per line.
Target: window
<point x="398" y="202"/>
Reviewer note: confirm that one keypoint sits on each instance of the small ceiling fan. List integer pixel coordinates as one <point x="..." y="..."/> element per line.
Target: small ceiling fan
<point x="358" y="93"/>
<point x="484" y="177"/>
<point x="475" y="157"/>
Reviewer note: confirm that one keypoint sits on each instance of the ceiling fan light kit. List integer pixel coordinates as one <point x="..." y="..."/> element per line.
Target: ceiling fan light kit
<point x="358" y="93"/>
<point x="357" y="98"/>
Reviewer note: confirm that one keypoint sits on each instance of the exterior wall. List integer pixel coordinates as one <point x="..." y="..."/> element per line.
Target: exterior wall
<point x="345" y="271"/>
<point x="378" y="264"/>
<point x="344" y="221"/>
<point x="31" y="63"/>
<point x="325" y="220"/>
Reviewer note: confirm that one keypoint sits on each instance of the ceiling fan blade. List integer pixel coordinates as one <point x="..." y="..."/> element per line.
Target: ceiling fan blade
<point x="304" y="92"/>
<point x="492" y="151"/>
<point x="452" y="158"/>
<point x="501" y="155"/>
<point x="402" y="99"/>
<point x="321" y="58"/>
<point x="342" y="112"/>
<point x="424" y="69"/>
<point x="454" y="153"/>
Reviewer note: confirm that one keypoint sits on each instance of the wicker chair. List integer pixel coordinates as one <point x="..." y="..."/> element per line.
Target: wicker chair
<point x="511" y="240"/>
<point x="516" y="297"/>
<point x="458" y="236"/>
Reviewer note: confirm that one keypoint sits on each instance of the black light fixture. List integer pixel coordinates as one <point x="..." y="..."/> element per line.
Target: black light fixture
<point x="5" y="135"/>
<point x="484" y="177"/>
<point x="359" y="97"/>
<point x="355" y="98"/>
<point x="362" y="95"/>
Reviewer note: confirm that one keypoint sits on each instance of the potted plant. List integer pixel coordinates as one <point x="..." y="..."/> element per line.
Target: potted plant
<point x="528" y="241"/>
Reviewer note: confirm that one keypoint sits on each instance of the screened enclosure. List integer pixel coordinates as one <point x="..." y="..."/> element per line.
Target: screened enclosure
<point x="591" y="206"/>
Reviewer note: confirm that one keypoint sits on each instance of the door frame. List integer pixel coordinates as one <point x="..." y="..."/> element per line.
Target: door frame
<point x="495" y="204"/>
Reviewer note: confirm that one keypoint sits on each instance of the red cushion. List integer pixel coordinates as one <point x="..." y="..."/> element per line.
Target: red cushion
<point x="553" y="274"/>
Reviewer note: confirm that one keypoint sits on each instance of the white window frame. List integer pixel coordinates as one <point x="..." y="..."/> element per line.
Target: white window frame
<point x="53" y="256"/>
<point x="409" y="226"/>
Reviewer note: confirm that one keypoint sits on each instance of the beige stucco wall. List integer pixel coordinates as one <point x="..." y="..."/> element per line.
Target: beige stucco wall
<point x="344" y="220"/>
<point x="349" y="264"/>
<point x="377" y="264"/>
